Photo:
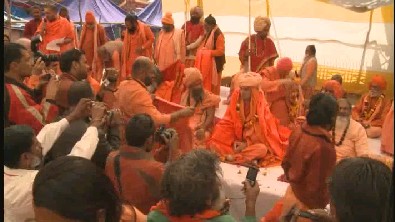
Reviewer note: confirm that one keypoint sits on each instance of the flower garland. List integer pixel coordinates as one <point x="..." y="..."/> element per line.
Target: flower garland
<point x="343" y="135"/>
<point x="366" y="115"/>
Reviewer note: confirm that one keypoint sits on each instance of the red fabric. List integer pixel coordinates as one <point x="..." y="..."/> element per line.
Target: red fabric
<point x="266" y="50"/>
<point x="309" y="161"/>
<point x="30" y="28"/>
<point x="334" y="88"/>
<point x="284" y="64"/>
<point x="194" y="31"/>
<point x="140" y="177"/>
<point x="275" y="213"/>
<point x="182" y="125"/>
<point x="25" y="111"/>
<point x="201" y="217"/>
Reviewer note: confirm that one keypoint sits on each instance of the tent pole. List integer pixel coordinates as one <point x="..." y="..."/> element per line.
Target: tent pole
<point x="249" y="36"/>
<point x="79" y="12"/>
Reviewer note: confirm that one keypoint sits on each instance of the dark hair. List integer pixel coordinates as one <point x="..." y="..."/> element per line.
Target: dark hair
<point x="52" y="7"/>
<point x="131" y="18"/>
<point x="189" y="182"/>
<point x="140" y="64"/>
<point x="67" y="58"/>
<point x="18" y="139"/>
<point x="79" y="90"/>
<point x="14" y="54"/>
<point x="388" y="212"/>
<point x="139" y="128"/>
<point x="359" y="189"/>
<point x="75" y="188"/>
<point x="31" y="9"/>
<point x="158" y="76"/>
<point x="312" y="49"/>
<point x="338" y="78"/>
<point x="63" y="9"/>
<point x="322" y="110"/>
<point x="210" y="20"/>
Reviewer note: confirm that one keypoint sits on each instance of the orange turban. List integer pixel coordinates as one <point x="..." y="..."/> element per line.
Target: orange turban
<point x="380" y="81"/>
<point x="192" y="77"/>
<point x="284" y="64"/>
<point x="249" y="79"/>
<point x="168" y="19"/>
<point x="335" y="87"/>
<point x="90" y="17"/>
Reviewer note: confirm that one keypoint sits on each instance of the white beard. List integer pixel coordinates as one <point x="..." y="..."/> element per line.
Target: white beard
<point x="341" y="123"/>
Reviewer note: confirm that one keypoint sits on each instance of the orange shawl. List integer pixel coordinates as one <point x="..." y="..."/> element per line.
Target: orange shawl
<point x="204" y="216"/>
<point x="205" y="62"/>
<point x="209" y="100"/>
<point x="230" y="128"/>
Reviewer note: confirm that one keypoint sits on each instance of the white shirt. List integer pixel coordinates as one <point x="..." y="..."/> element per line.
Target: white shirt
<point x="18" y="183"/>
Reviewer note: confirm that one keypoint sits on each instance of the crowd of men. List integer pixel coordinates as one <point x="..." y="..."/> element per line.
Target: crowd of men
<point x="85" y="137"/>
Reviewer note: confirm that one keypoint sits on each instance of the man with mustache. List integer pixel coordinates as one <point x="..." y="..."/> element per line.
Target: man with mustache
<point x="93" y="36"/>
<point x="194" y="30"/>
<point x="137" y="42"/>
<point x="204" y="102"/>
<point x="263" y="51"/>
<point x="373" y="107"/>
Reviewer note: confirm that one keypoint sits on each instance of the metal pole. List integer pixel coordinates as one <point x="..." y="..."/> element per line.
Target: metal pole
<point x="79" y="12"/>
<point x="249" y="36"/>
<point x="8" y="7"/>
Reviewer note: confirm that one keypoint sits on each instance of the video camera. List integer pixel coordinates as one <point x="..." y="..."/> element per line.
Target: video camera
<point x="38" y="54"/>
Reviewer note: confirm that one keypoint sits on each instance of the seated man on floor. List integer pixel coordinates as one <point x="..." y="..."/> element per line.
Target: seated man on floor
<point x="373" y="107"/>
<point x="350" y="136"/>
<point x="204" y="102"/>
<point x="249" y="133"/>
<point x="334" y="88"/>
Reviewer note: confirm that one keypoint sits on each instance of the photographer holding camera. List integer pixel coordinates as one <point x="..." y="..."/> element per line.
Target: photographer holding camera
<point x="133" y="170"/>
<point x="109" y="139"/>
<point x="22" y="104"/>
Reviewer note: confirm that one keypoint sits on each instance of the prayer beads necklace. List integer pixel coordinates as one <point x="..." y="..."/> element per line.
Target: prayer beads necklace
<point x="366" y="114"/>
<point x="343" y="135"/>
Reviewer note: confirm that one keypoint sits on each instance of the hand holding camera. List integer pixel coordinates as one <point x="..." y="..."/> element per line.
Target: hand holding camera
<point x="98" y="112"/>
<point x="168" y="137"/>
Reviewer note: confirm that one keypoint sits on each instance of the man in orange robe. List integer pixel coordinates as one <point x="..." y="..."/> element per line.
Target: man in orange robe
<point x="334" y="88"/>
<point x="64" y="12"/>
<point x="92" y="37"/>
<point x="210" y="58"/>
<point x="109" y="56"/>
<point x="248" y="133"/>
<point x="194" y="35"/>
<point x="164" y="89"/>
<point x="263" y="51"/>
<point x="133" y="97"/>
<point x="55" y="27"/>
<point x="373" y="107"/>
<point x="204" y="102"/>
<point x="137" y="42"/>
<point x="170" y="45"/>
<point x="273" y="84"/>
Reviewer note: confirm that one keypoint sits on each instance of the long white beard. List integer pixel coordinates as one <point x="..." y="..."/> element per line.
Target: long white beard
<point x="341" y="123"/>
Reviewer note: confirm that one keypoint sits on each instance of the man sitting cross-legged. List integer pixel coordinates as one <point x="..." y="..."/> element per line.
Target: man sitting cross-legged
<point x="249" y="133"/>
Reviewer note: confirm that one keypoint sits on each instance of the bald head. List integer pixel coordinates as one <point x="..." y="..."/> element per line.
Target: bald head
<point x="25" y="42"/>
<point x="196" y="12"/>
<point x="144" y="70"/>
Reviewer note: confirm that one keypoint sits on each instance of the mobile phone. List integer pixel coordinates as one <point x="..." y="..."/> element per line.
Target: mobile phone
<point x="252" y="174"/>
<point x="307" y="215"/>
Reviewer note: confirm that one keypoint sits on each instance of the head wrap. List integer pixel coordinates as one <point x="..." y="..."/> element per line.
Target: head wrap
<point x="168" y="19"/>
<point x="260" y="23"/>
<point x="249" y="79"/>
<point x="90" y="17"/>
<point x="192" y="76"/>
<point x="380" y="81"/>
<point x="198" y="10"/>
<point x="210" y="20"/>
<point x="284" y="64"/>
<point x="334" y="86"/>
